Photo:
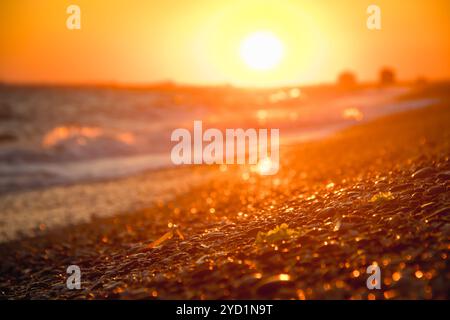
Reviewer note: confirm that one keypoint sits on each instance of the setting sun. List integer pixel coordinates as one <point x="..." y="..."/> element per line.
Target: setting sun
<point x="262" y="50"/>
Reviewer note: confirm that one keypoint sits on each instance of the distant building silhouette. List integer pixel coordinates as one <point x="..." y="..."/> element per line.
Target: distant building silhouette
<point x="346" y="80"/>
<point x="387" y="77"/>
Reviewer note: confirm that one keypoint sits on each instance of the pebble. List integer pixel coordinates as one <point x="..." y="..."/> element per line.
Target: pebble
<point x="326" y="212"/>
<point x="423" y="173"/>
<point x="444" y="175"/>
<point x="402" y="187"/>
<point x="439" y="212"/>
<point x="270" y="287"/>
<point x="436" y="189"/>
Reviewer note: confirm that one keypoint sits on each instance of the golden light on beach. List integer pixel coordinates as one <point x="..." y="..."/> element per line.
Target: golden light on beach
<point x="224" y="150"/>
<point x="264" y="166"/>
<point x="262" y="50"/>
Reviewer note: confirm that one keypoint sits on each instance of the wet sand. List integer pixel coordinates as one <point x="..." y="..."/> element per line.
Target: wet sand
<point x="35" y="212"/>
<point x="378" y="192"/>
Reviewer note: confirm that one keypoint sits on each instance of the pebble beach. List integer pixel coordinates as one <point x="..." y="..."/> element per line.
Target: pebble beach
<point x="372" y="194"/>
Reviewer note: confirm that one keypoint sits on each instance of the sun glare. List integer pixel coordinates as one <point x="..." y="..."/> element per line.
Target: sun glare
<point x="261" y="50"/>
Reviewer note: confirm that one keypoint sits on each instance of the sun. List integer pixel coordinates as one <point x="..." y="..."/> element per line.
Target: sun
<point x="262" y="50"/>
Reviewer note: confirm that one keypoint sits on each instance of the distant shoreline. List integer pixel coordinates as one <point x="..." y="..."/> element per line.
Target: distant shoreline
<point x="172" y="86"/>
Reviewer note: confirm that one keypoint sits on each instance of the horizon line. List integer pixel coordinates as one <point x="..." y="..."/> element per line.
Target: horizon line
<point x="167" y="84"/>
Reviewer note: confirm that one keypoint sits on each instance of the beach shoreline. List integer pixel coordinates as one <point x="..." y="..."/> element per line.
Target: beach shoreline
<point x="133" y="134"/>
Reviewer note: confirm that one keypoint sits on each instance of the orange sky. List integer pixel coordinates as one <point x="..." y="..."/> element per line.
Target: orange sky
<point x="197" y="41"/>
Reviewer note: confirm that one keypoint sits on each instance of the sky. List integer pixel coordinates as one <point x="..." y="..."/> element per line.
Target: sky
<point x="198" y="41"/>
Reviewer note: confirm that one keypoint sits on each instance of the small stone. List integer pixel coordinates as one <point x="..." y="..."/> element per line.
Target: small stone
<point x="202" y="259"/>
<point x="423" y="173"/>
<point x="249" y="281"/>
<point x="271" y="286"/>
<point x="436" y="190"/>
<point x="416" y="196"/>
<point x="444" y="175"/>
<point x="401" y="187"/>
<point x="326" y="212"/>
<point x="442" y="211"/>
<point x="214" y="235"/>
